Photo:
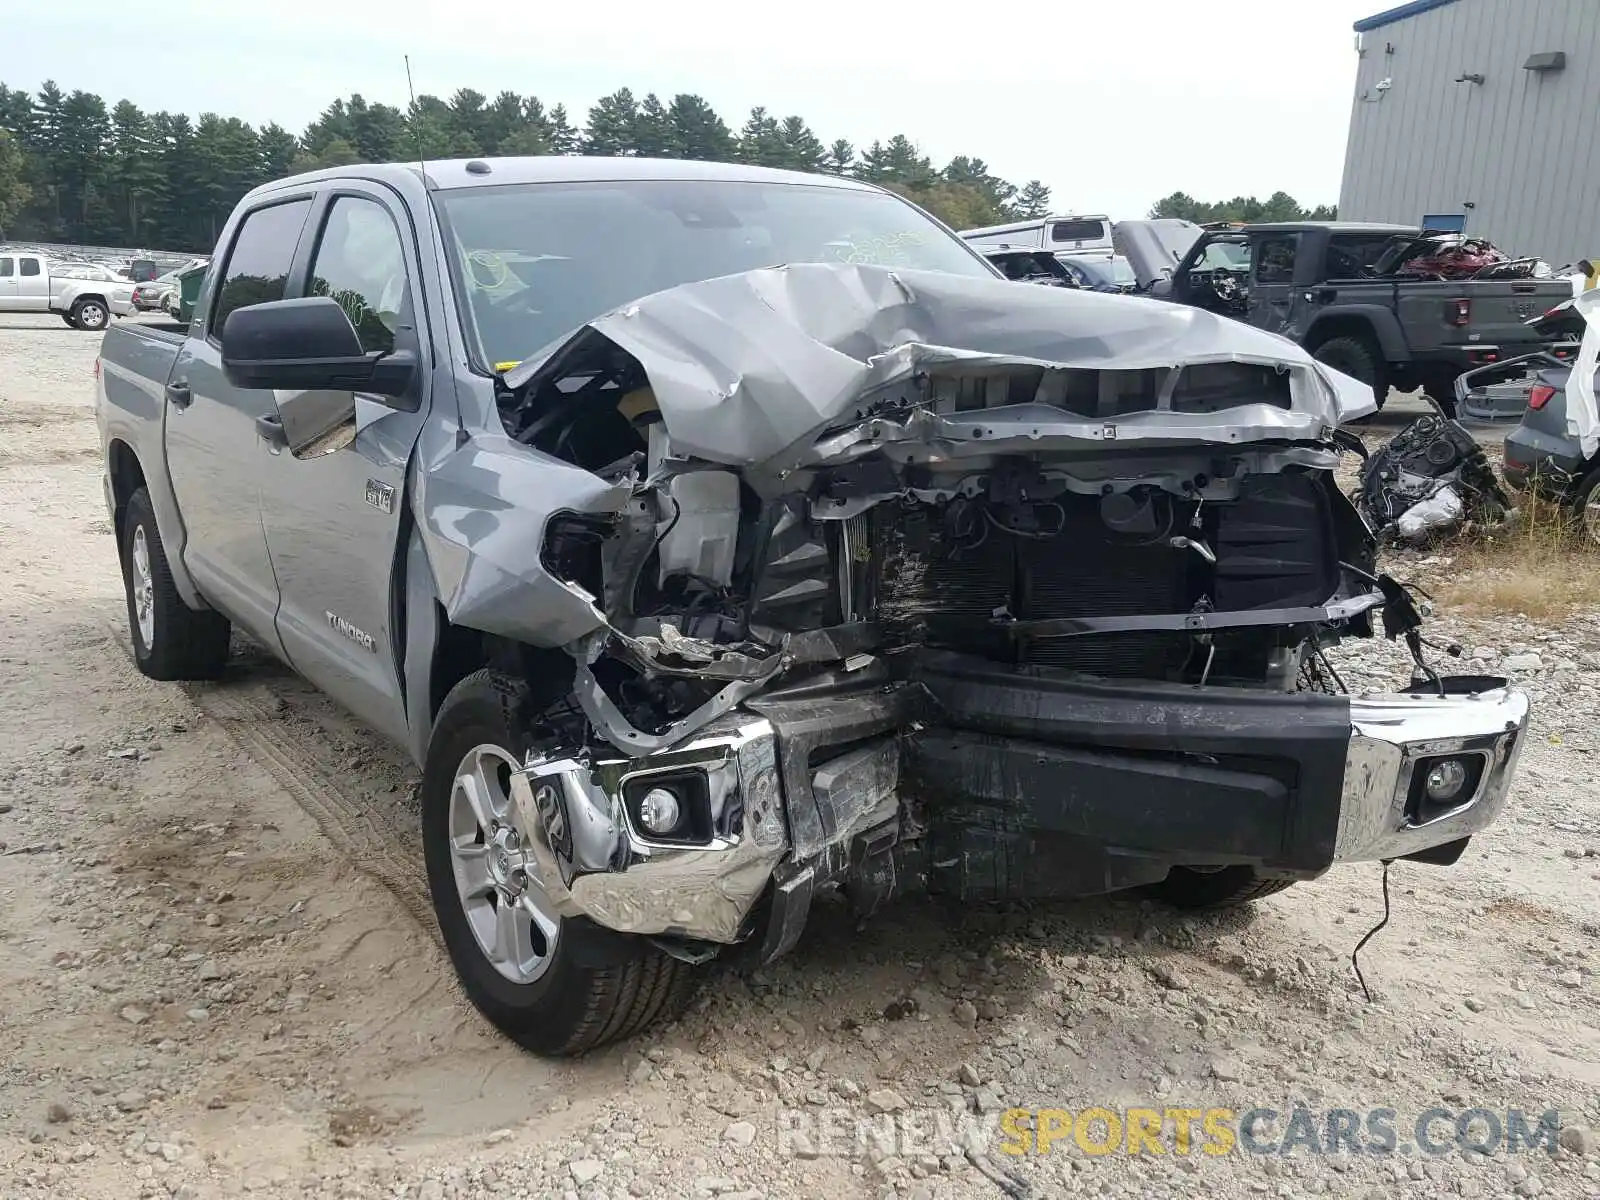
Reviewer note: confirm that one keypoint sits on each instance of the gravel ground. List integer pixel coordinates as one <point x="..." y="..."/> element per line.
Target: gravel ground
<point x="221" y="978"/>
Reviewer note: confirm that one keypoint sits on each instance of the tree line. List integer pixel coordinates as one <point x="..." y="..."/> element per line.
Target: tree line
<point x="1280" y="206"/>
<point x="74" y="170"/>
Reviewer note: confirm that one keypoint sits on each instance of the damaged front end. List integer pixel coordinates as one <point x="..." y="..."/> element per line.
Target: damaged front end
<point x="899" y="581"/>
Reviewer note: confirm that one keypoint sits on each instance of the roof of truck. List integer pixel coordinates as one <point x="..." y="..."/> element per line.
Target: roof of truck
<point x="1373" y="227"/>
<point x="560" y="168"/>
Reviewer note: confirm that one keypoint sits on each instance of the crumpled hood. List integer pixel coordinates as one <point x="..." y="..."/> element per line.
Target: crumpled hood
<point x="747" y="366"/>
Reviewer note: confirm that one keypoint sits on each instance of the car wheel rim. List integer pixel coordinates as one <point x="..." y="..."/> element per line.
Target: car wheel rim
<point x="496" y="875"/>
<point x="144" y="589"/>
<point x="93" y="314"/>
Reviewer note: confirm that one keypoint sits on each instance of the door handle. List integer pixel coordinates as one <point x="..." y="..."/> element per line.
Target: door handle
<point x="179" y="393"/>
<point x="270" y="429"/>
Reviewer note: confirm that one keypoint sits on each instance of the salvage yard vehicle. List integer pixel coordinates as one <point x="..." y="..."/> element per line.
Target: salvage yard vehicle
<point x="1084" y="236"/>
<point x="718" y="538"/>
<point x="1555" y="449"/>
<point x="27" y="285"/>
<point x="1342" y="290"/>
<point x="1029" y="266"/>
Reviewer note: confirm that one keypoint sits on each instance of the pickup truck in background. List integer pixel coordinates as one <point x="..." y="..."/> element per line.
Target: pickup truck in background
<point x="1339" y="289"/>
<point x="26" y="285"/>
<point x="715" y="538"/>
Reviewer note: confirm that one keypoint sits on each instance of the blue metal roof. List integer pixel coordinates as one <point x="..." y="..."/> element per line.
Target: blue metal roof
<point x="1390" y="16"/>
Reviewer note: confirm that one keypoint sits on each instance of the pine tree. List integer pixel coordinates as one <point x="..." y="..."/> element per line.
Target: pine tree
<point x="564" y="139"/>
<point x="653" y="134"/>
<point x="698" y="131"/>
<point x="761" y="141"/>
<point x="841" y="158"/>
<point x="14" y="190"/>
<point x="802" y="150"/>
<point x="1033" y="200"/>
<point x="613" y="125"/>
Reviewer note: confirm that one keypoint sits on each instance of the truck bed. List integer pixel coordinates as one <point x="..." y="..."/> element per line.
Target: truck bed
<point x="1500" y="308"/>
<point x="135" y="362"/>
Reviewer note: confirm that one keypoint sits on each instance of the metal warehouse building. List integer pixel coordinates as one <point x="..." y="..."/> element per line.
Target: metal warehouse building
<point x="1481" y="115"/>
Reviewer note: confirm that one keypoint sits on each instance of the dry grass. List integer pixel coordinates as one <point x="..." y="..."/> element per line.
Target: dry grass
<point x="1541" y="566"/>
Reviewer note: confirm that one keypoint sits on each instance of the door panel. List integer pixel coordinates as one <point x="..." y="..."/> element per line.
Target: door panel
<point x="214" y="453"/>
<point x="333" y="521"/>
<point x="33" y="284"/>
<point x="8" y="284"/>
<point x="1272" y="287"/>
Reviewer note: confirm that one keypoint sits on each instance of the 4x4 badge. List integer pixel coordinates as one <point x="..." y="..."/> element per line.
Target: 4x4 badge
<point x="380" y="496"/>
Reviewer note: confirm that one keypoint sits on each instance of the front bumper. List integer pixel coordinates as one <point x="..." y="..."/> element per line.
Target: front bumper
<point x="1383" y="811"/>
<point x="1025" y="782"/>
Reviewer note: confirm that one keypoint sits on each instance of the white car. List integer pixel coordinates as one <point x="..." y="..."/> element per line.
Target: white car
<point x="82" y="270"/>
<point x="28" y="285"/>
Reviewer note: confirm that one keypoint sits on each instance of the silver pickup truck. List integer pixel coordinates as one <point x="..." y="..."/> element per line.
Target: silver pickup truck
<point x="716" y="538"/>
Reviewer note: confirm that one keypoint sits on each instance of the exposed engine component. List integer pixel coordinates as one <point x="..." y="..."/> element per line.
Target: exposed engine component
<point x="1430" y="479"/>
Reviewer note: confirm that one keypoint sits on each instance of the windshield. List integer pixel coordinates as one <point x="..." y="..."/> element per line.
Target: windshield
<point x="537" y="261"/>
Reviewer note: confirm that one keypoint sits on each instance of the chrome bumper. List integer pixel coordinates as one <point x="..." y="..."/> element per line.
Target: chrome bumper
<point x="593" y="862"/>
<point x="1393" y="738"/>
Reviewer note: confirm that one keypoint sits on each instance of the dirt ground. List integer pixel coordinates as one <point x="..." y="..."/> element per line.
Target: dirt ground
<point x="220" y="975"/>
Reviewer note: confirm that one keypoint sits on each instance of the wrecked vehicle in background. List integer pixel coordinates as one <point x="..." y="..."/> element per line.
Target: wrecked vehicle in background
<point x="1338" y="288"/>
<point x="868" y="574"/>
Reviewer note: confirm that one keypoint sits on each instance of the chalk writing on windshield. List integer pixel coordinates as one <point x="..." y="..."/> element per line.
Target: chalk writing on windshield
<point x="880" y="249"/>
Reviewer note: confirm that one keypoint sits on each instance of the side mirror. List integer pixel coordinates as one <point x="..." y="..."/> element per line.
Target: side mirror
<point x="307" y="344"/>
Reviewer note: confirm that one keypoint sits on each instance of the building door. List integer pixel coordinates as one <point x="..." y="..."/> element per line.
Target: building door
<point x="1445" y="222"/>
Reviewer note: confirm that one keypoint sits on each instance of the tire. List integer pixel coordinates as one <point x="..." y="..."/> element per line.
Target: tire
<point x="67" y="320"/>
<point x="1358" y="359"/>
<point x="176" y="641"/>
<point x="1228" y="888"/>
<point x="589" y="986"/>
<point x="1441" y="386"/>
<point x="90" y="313"/>
<point x="1586" y="519"/>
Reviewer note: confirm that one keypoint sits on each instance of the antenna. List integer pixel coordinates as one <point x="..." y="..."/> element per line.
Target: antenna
<point x="422" y="162"/>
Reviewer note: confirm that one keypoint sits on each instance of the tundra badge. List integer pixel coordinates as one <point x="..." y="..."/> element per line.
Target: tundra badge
<point x="359" y="636"/>
<point x="380" y="496"/>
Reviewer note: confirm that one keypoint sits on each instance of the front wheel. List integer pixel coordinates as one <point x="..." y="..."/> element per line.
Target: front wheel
<point x="91" y="314"/>
<point x="554" y="984"/>
<point x="1226" y="887"/>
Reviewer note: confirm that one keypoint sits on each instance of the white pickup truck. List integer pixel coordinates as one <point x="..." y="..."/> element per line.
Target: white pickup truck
<point x="26" y="285"/>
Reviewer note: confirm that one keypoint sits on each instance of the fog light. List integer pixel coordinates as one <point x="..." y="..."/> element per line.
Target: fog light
<point x="659" y="811"/>
<point x="1445" y="780"/>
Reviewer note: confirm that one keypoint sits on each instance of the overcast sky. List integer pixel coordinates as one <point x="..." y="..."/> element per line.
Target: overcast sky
<point x="1113" y="104"/>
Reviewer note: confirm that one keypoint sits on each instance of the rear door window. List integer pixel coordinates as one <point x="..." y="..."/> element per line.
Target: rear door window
<point x="30" y="266"/>
<point x="258" y="262"/>
<point x="1353" y="257"/>
<point x="1077" y="231"/>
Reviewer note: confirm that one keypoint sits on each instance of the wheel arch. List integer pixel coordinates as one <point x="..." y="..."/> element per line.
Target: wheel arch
<point x="1370" y="322"/>
<point x="438" y="653"/>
